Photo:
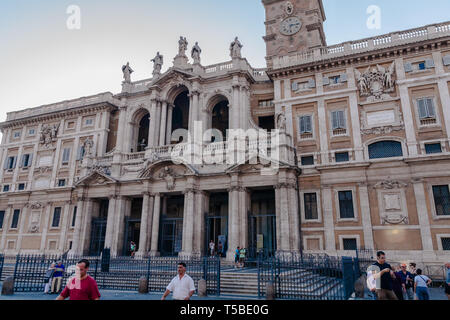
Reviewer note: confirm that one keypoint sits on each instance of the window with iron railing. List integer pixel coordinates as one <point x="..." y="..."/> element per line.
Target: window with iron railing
<point x="342" y="157"/>
<point x="385" y="149"/>
<point x="338" y="122"/>
<point x="426" y="111"/>
<point x="433" y="148"/>
<point x="445" y="244"/>
<point x="306" y="127"/>
<point x="349" y="244"/>
<point x="441" y="196"/>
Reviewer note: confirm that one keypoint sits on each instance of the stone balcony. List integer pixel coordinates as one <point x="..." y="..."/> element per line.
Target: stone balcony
<point x="389" y="40"/>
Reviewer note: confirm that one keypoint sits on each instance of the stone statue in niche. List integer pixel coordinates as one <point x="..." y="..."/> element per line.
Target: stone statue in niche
<point x="169" y="176"/>
<point x="127" y="71"/>
<point x="235" y="49"/>
<point x="376" y="83"/>
<point x="281" y="122"/>
<point x="88" y="146"/>
<point x="195" y="53"/>
<point x="157" y="64"/>
<point x="49" y="134"/>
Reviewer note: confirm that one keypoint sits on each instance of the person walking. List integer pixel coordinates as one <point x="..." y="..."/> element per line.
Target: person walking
<point x="242" y="254"/>
<point x="398" y="286"/>
<point x="57" y="277"/>
<point x="236" y="257"/>
<point x="407" y="281"/>
<point x="81" y="286"/>
<point x="182" y="286"/>
<point x="386" y="276"/>
<point x="132" y="248"/>
<point x="49" y="278"/>
<point x="421" y="283"/>
<point x="212" y="247"/>
<point x="447" y="281"/>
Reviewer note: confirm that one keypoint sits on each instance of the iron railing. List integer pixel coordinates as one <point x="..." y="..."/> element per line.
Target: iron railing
<point x="308" y="277"/>
<point x="117" y="273"/>
<point x="2" y="260"/>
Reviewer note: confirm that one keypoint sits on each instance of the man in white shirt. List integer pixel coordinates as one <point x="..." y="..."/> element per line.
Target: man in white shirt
<point x="182" y="286"/>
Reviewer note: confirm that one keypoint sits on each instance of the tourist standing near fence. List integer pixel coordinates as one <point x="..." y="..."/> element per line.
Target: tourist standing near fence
<point x="407" y="281"/>
<point x="82" y="286"/>
<point x="57" y="277"/>
<point x="387" y="275"/>
<point x="421" y="283"/>
<point x="49" y="278"/>
<point x="447" y="281"/>
<point x="182" y="286"/>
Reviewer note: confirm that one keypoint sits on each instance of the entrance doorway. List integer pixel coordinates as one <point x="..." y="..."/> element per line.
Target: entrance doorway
<point x="217" y="224"/>
<point x="262" y="224"/>
<point x="171" y="226"/>
<point x="132" y="226"/>
<point x="98" y="229"/>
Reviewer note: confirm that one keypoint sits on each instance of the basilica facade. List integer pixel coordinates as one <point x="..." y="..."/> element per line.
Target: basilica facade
<point x="328" y="149"/>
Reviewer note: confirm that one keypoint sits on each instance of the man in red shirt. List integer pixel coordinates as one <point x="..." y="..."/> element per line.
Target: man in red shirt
<point x="82" y="286"/>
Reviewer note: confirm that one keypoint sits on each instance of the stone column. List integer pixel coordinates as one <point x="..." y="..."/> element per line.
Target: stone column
<point x="76" y="240"/>
<point x="45" y="222"/>
<point x="155" y="227"/>
<point x="283" y="215"/>
<point x="354" y="116"/>
<point x="243" y="210"/>
<point x="366" y="219"/>
<point x="110" y="221"/>
<point x="406" y="109"/>
<point x="234" y="239"/>
<point x="323" y="131"/>
<point x="244" y="107"/>
<point x="234" y="115"/>
<point x="162" y="132"/>
<point x="195" y="108"/>
<point x="64" y="225"/>
<point x="188" y="222"/>
<point x="122" y="209"/>
<point x="170" y="108"/>
<point x="152" y="130"/>
<point x="158" y="123"/>
<point x="328" y="219"/>
<point x="24" y="214"/>
<point x="294" y="219"/>
<point x="86" y="225"/>
<point x="199" y="223"/>
<point x="146" y="224"/>
<point x="422" y="212"/>
<point x="121" y="133"/>
<point x="445" y="101"/>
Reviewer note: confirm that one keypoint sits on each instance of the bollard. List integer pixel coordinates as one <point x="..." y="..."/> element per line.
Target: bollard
<point x="8" y="286"/>
<point x="270" y="291"/>
<point x="202" y="288"/>
<point x="143" y="285"/>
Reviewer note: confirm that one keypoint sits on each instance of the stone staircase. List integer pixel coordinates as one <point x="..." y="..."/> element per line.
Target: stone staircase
<point x="239" y="282"/>
<point x="8" y="271"/>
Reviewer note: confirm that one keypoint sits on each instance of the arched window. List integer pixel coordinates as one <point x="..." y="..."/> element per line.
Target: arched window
<point x="220" y="118"/>
<point x="385" y="149"/>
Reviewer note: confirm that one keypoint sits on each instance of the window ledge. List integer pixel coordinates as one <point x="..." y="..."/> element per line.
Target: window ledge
<point x="347" y="219"/>
<point x="436" y="217"/>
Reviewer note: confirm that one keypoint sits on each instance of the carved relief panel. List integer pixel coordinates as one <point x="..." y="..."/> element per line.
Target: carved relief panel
<point x="392" y="202"/>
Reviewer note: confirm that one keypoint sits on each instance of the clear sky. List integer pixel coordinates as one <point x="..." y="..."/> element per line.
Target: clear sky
<point x="42" y="61"/>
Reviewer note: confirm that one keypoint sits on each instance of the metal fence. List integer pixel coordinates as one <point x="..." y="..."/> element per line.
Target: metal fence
<point x="308" y="277"/>
<point x="117" y="273"/>
<point x="2" y="261"/>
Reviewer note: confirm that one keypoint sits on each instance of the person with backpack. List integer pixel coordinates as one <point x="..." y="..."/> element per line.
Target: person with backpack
<point x="132" y="248"/>
<point x="236" y="257"/>
<point x="242" y="253"/>
<point x="421" y="283"/>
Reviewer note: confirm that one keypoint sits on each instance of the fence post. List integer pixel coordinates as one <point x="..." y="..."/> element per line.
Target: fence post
<point x="218" y="275"/>
<point x="2" y="260"/>
<point x="348" y="279"/>
<point x="258" y="264"/>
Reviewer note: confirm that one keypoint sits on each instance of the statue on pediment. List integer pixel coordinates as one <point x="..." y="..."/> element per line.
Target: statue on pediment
<point x="235" y="49"/>
<point x="127" y="71"/>
<point x="195" y="53"/>
<point x="182" y="46"/>
<point x="157" y="64"/>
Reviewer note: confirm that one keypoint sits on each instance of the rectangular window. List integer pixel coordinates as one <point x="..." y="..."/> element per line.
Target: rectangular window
<point x="441" y="196"/>
<point x="2" y="217"/>
<point x="56" y="217"/>
<point x="338" y="122"/>
<point x="342" y="157"/>
<point x="31" y="132"/>
<point x="10" y="163"/>
<point x="346" y="205"/>
<point x="427" y="111"/>
<point x="74" y="217"/>
<point x="265" y="103"/>
<point x="308" y="161"/>
<point x="26" y="160"/>
<point x="61" y="182"/>
<point x="66" y="156"/>
<point x="6" y="188"/>
<point x="445" y="244"/>
<point x="433" y="148"/>
<point x="15" y="219"/>
<point x="89" y="122"/>
<point x="21" y="186"/>
<point x="16" y="134"/>
<point x="350" y="244"/>
<point x="335" y="79"/>
<point x="306" y="125"/>
<point x="311" y="212"/>
<point x="421" y="66"/>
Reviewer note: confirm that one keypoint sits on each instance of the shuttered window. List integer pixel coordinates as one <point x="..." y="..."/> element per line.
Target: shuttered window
<point x="66" y="156"/>
<point x="338" y="119"/>
<point x="426" y="108"/>
<point x="385" y="149"/>
<point x="441" y="196"/>
<point x="306" y="124"/>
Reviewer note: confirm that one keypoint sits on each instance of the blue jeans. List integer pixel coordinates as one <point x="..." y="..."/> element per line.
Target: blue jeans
<point x="422" y="293"/>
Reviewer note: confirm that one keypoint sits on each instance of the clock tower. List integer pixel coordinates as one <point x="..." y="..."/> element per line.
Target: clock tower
<point x="293" y="26"/>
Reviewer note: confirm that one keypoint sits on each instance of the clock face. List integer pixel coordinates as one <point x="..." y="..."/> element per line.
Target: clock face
<point x="290" y="26"/>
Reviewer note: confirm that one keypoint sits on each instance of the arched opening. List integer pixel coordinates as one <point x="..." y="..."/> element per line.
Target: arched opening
<point x="140" y="131"/>
<point x="220" y="119"/>
<point x="385" y="149"/>
<point x="180" y="115"/>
